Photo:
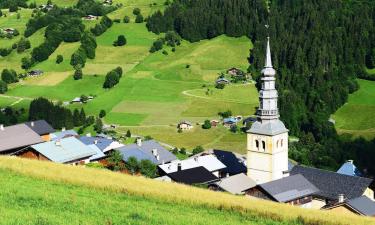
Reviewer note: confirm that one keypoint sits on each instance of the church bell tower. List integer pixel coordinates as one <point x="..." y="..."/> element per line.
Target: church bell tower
<point x="267" y="139"/>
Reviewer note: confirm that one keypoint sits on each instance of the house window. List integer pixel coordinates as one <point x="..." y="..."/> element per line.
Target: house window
<point x="264" y="145"/>
<point x="257" y="144"/>
<point x="281" y="142"/>
<point x="277" y="143"/>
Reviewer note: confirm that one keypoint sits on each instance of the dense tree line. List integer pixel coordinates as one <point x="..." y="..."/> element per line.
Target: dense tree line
<point x="95" y="8"/>
<point x="13" y="5"/>
<point x="319" y="48"/>
<point x="101" y="27"/>
<point x="112" y="78"/>
<point x="86" y="50"/>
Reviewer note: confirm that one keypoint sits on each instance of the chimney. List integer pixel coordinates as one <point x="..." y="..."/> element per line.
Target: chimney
<point x="154" y="151"/>
<point x="341" y="198"/>
<point x="1" y="127"/>
<point x="158" y="157"/>
<point x="32" y="123"/>
<point x="350" y="161"/>
<point x="139" y="142"/>
<point x="58" y="143"/>
<point x="95" y="142"/>
<point x="63" y="129"/>
<point x="179" y="166"/>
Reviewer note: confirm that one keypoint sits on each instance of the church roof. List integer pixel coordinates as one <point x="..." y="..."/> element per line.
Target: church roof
<point x="272" y="127"/>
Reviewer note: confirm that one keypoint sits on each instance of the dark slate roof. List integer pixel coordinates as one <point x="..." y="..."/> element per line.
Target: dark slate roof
<point x="40" y="127"/>
<point x="197" y="175"/>
<point x="289" y="188"/>
<point x="230" y="160"/>
<point x="101" y="143"/>
<point x="363" y="205"/>
<point x="145" y="152"/>
<point x="332" y="184"/>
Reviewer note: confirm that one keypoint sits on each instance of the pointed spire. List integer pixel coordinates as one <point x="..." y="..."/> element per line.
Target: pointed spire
<point x="268" y="63"/>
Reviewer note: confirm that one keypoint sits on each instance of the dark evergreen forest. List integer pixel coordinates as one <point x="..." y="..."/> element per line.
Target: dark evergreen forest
<point x="319" y="48"/>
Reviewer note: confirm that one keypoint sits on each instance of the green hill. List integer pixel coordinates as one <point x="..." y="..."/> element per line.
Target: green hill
<point x="35" y="192"/>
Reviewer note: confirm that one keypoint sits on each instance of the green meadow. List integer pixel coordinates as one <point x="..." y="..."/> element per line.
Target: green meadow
<point x="156" y="91"/>
<point x="356" y="117"/>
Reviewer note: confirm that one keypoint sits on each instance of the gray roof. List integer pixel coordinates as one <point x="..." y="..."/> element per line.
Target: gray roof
<point x="332" y="184"/>
<point x="63" y="134"/>
<point x="145" y="151"/>
<point x="17" y="136"/>
<point x="272" y="127"/>
<point x="289" y="188"/>
<point x="236" y="184"/>
<point x="363" y="205"/>
<point x="41" y="127"/>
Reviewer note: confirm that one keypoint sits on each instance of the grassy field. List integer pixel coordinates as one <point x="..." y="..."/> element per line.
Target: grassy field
<point x="46" y="193"/>
<point x="357" y="116"/>
<point x="156" y="89"/>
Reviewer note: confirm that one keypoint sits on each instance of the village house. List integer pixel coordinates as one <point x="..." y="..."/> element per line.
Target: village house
<point x="64" y="134"/>
<point x="293" y="190"/>
<point x="107" y="2"/>
<point x="68" y="151"/>
<point x="214" y="123"/>
<point x="233" y="71"/>
<point x="222" y="81"/>
<point x="209" y="162"/>
<point x="185" y="125"/>
<point x="359" y="206"/>
<point x="147" y="150"/>
<point x="34" y="73"/>
<point x="332" y="185"/>
<point x="16" y="137"/>
<point x="104" y="144"/>
<point x="234" y="163"/>
<point x="238" y="184"/>
<point x="196" y="175"/>
<point x="47" y="7"/>
<point x="229" y="122"/>
<point x="42" y="128"/>
<point x="90" y="17"/>
<point x="9" y="31"/>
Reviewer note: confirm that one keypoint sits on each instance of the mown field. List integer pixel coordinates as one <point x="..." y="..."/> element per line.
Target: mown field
<point x="156" y="89"/>
<point x="357" y="116"/>
<point x="35" y="192"/>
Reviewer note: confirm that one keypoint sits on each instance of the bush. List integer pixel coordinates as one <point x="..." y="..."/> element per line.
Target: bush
<point x="198" y="150"/>
<point x="206" y="125"/>
<point x="128" y="134"/>
<point x="175" y="151"/>
<point x="126" y="19"/>
<point x="183" y="151"/>
<point x="165" y="52"/>
<point x="9" y="76"/>
<point x="157" y="45"/>
<point x="220" y="86"/>
<point x="115" y="161"/>
<point x="117" y="21"/>
<point x="3" y="87"/>
<point x="147" y="168"/>
<point x="102" y="113"/>
<point x="139" y="19"/>
<point x="136" y="11"/>
<point x="59" y="59"/>
<point x="121" y="41"/>
<point x="78" y="74"/>
<point x="132" y="165"/>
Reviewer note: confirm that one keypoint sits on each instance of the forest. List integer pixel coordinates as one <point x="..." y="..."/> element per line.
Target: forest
<point x="319" y="48"/>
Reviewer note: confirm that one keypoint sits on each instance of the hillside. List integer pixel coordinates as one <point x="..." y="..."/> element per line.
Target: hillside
<point x="58" y="194"/>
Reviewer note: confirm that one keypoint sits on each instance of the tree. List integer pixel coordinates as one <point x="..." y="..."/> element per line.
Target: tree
<point x="136" y="11"/>
<point x="198" y="150"/>
<point x="78" y="59"/>
<point x="98" y="127"/>
<point x="59" y="59"/>
<point x="78" y="74"/>
<point x="225" y="114"/>
<point x="128" y="134"/>
<point x="183" y="151"/>
<point x="132" y="165"/>
<point x="76" y="118"/>
<point x="206" y="125"/>
<point x="111" y="79"/>
<point x="121" y="41"/>
<point x="26" y="63"/>
<point x="220" y="86"/>
<point x="115" y="161"/>
<point x="175" y="151"/>
<point x="9" y="76"/>
<point x="126" y="19"/>
<point x="102" y="113"/>
<point x="84" y="98"/>
<point x="157" y="45"/>
<point x="1" y="13"/>
<point x="139" y="18"/>
<point x="147" y="168"/>
<point x="234" y="128"/>
<point x="23" y="44"/>
<point x="3" y="87"/>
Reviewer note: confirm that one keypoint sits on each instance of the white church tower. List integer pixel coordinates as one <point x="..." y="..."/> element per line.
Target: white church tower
<point x="267" y="139"/>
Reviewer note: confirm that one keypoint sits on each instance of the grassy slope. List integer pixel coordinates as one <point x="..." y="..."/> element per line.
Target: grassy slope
<point x="357" y="116"/>
<point x="36" y="192"/>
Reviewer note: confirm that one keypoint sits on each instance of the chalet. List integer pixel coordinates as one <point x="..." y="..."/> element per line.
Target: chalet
<point x="348" y="168"/>
<point x="68" y="151"/>
<point x="238" y="184"/>
<point x="90" y="17"/>
<point x="222" y="81"/>
<point x="231" y="121"/>
<point x="79" y="99"/>
<point x="42" y="128"/>
<point x="209" y="162"/>
<point x="233" y="71"/>
<point x="34" y="73"/>
<point x="107" y="2"/>
<point x="63" y="134"/>
<point x="185" y="125"/>
<point x="16" y="137"/>
<point x="104" y="144"/>
<point x="360" y="206"/>
<point x="148" y="150"/>
<point x="47" y="7"/>
<point x="294" y="190"/>
<point x="214" y="123"/>
<point x="196" y="175"/>
<point x="331" y="185"/>
<point x="9" y="31"/>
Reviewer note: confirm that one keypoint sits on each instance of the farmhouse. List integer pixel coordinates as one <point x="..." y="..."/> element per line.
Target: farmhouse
<point x="238" y="184"/>
<point x="148" y="150"/>
<point x="104" y="144"/>
<point x="294" y="190"/>
<point x="185" y="125"/>
<point x="16" y="137"/>
<point x="68" y="151"/>
<point x="42" y="128"/>
<point x="196" y="175"/>
<point x="360" y="206"/>
<point x="209" y="162"/>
